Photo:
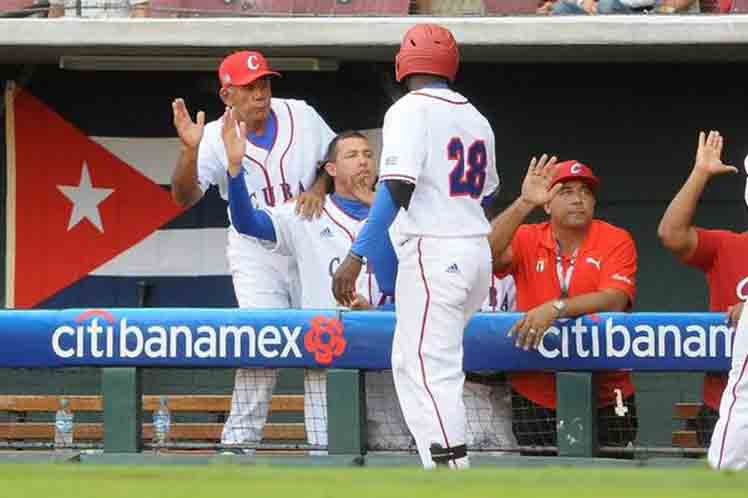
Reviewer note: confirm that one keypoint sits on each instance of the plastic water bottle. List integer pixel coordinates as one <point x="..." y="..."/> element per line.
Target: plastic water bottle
<point x="161" y="423"/>
<point x="63" y="426"/>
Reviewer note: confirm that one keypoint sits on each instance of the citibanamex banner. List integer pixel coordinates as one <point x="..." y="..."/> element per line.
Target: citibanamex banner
<point x="358" y="340"/>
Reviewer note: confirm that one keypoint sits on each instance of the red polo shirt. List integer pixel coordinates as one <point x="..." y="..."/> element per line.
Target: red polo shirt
<point x="721" y="255"/>
<point x="605" y="260"/>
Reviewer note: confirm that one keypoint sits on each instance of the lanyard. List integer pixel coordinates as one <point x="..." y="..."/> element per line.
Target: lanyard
<point x="564" y="278"/>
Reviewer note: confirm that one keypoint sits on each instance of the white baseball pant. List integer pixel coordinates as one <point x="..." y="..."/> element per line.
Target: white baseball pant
<point x="441" y="283"/>
<point x="729" y="447"/>
<point x="261" y="280"/>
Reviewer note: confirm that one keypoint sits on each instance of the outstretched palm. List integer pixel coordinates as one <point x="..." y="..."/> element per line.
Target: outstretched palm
<point x="234" y="141"/>
<point x="535" y="187"/>
<point x="709" y="155"/>
<point x="190" y="132"/>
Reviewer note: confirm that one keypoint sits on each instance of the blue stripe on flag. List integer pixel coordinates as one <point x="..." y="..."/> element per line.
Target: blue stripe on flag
<point x="104" y="291"/>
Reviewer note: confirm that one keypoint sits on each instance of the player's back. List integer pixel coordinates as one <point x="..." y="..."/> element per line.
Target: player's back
<point x="439" y="141"/>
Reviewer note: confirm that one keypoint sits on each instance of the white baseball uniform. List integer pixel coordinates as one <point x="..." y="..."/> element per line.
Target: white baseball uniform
<point x="489" y="405"/>
<point x="262" y="279"/>
<point x="435" y="139"/>
<point x="318" y="246"/>
<point x="729" y="446"/>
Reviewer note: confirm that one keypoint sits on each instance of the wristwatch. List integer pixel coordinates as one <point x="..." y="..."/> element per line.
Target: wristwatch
<point x="560" y="306"/>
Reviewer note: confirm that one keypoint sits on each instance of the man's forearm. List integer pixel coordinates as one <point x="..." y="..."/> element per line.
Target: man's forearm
<point x="678" y="218"/>
<point x="244" y="217"/>
<point x="505" y="225"/>
<point x="608" y="300"/>
<point x="184" y="187"/>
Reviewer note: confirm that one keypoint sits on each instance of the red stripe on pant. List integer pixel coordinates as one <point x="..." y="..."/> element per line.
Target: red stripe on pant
<point x="729" y="412"/>
<point x="420" y="344"/>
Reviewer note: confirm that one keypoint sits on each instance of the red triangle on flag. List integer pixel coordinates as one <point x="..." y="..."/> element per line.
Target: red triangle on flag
<point x="76" y="205"/>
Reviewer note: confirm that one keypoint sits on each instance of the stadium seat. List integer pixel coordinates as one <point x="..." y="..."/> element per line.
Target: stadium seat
<point x="13" y="8"/>
<point x="715" y="6"/>
<point x="222" y="8"/>
<point x="510" y="6"/>
<point x="352" y="7"/>
<point x="219" y="8"/>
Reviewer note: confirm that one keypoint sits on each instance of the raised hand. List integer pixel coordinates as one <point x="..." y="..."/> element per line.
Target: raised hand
<point x="709" y="155"/>
<point x="362" y="189"/>
<point x="234" y="141"/>
<point x="309" y="205"/>
<point x="535" y="187"/>
<point x="190" y="132"/>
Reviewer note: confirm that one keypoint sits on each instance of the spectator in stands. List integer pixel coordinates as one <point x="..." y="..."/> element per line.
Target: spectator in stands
<point x="595" y="7"/>
<point x="720" y="254"/>
<point x="568" y="266"/>
<point x="101" y="8"/>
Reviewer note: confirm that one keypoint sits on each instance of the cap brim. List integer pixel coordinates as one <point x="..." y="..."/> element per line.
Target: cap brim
<point x="254" y="77"/>
<point x="591" y="181"/>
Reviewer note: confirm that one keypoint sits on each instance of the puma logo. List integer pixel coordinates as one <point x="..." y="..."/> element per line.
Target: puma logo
<point x="594" y="261"/>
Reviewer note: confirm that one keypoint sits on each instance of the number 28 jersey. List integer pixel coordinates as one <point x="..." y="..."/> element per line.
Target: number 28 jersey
<point x="435" y="139"/>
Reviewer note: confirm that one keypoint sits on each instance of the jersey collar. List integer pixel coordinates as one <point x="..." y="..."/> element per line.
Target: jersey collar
<point x="590" y="241"/>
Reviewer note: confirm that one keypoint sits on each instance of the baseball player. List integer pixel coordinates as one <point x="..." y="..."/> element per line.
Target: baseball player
<point x="437" y="166"/>
<point x="284" y="141"/>
<point x="729" y="445"/>
<point x="318" y="246"/>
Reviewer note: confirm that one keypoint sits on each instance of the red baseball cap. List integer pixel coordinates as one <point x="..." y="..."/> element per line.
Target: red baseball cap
<point x="574" y="170"/>
<point x="242" y="68"/>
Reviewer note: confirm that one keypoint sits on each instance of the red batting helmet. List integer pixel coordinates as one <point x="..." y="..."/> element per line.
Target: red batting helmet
<point x="427" y="49"/>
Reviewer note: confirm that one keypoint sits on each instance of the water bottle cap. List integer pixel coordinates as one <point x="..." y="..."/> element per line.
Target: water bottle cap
<point x="64" y="403"/>
<point x="163" y="399"/>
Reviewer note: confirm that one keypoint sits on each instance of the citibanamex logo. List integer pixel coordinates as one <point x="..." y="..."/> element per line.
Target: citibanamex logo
<point x="325" y="339"/>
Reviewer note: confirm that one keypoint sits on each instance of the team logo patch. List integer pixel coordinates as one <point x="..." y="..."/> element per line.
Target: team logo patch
<point x="325" y="339"/>
<point x="326" y="233"/>
<point x="453" y="268"/>
<point x="390" y="161"/>
<point x="576" y="168"/>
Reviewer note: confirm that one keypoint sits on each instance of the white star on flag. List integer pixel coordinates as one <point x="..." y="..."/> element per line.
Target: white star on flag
<point x="85" y="199"/>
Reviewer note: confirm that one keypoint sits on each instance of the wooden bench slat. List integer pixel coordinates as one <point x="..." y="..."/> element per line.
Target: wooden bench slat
<point x="685" y="411"/>
<point x="45" y="403"/>
<point x="180" y="431"/>
<point x="685" y="439"/>
<point x="177" y="403"/>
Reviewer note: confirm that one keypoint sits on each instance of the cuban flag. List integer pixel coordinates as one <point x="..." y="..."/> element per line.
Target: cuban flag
<point x="90" y="221"/>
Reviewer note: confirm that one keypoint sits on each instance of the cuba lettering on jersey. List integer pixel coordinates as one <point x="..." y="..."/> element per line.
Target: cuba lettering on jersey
<point x="318" y="246"/>
<point x="435" y="139"/>
<point x="277" y="175"/>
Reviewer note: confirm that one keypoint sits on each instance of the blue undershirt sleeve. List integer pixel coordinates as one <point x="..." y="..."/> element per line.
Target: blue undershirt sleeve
<point x="383" y="261"/>
<point x="245" y="218"/>
<point x="381" y="216"/>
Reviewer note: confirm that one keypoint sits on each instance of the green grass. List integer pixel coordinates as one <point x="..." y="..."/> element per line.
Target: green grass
<point x="223" y="481"/>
